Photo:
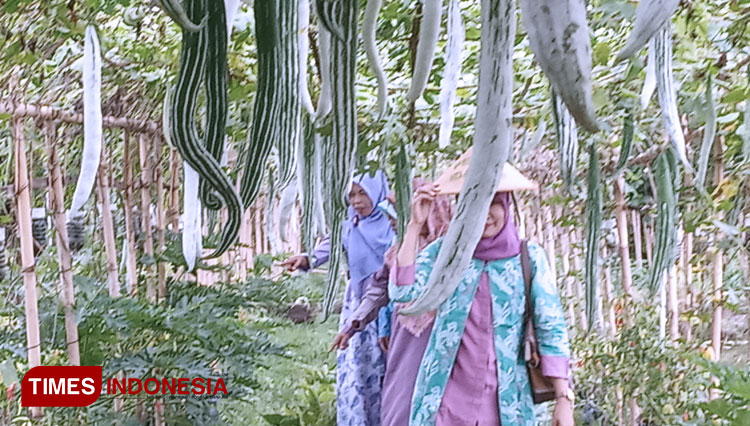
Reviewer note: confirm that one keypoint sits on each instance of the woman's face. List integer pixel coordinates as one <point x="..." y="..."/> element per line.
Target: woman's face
<point x="360" y="201"/>
<point x="495" y="220"/>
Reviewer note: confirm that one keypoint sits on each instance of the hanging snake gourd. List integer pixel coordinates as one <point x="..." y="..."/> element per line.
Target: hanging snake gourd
<point x="449" y="84"/>
<point x="304" y="49"/>
<point x="369" y="26"/>
<point x="403" y="189"/>
<point x="231" y="7"/>
<point x="665" y="220"/>
<point x="429" y="31"/>
<point x="184" y="135"/>
<point x="649" y="17"/>
<point x="567" y="140"/>
<point x="177" y="12"/>
<point x="593" y="235"/>
<point x="267" y="100"/>
<point x="492" y="142"/>
<point x="628" y="131"/>
<point x="192" y="241"/>
<point x="649" y="84"/>
<point x="92" y="122"/>
<point x="215" y="80"/>
<point x="288" y="116"/>
<point x="666" y="92"/>
<point x="559" y="37"/>
<point x="339" y="151"/>
<point x="709" y="134"/>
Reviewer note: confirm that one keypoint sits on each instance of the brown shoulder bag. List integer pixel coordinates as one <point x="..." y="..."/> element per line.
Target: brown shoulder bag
<point x="542" y="389"/>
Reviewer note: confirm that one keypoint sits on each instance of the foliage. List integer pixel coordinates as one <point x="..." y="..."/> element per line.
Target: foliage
<point x="734" y="385"/>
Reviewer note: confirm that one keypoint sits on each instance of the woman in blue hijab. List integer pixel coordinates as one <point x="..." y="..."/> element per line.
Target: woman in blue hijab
<point x="367" y="236"/>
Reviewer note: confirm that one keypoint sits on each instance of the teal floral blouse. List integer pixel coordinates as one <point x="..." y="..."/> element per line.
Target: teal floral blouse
<point x="508" y="306"/>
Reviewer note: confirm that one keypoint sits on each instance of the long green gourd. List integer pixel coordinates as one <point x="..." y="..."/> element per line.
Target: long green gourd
<point x="177" y="12"/>
<point x="449" y="83"/>
<point x="709" y="134"/>
<point x="492" y="142"/>
<point x="267" y="99"/>
<point x="369" y="25"/>
<point x="339" y="151"/>
<point x="665" y="220"/>
<point x="628" y="131"/>
<point x="666" y="92"/>
<point x="307" y="172"/>
<point x="287" y="119"/>
<point x="304" y="49"/>
<point x="559" y="37"/>
<point x="429" y="31"/>
<point x="593" y="235"/>
<point x="567" y="140"/>
<point x="403" y="189"/>
<point x="184" y="134"/>
<point x="649" y="17"/>
<point x="92" y="122"/>
<point x="215" y="81"/>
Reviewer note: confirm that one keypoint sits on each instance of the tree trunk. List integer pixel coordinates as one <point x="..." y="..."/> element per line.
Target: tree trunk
<point x="131" y="256"/>
<point x="108" y="227"/>
<point x="148" y="238"/>
<point x="57" y="199"/>
<point x="23" y="219"/>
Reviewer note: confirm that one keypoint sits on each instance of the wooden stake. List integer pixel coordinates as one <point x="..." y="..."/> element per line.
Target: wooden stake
<point x="67" y="292"/>
<point x="609" y="296"/>
<point x="148" y="237"/>
<point x="108" y="227"/>
<point x="23" y="218"/>
<point x="649" y="240"/>
<point x="174" y="189"/>
<point x="687" y="269"/>
<point x="577" y="266"/>
<point x="718" y="263"/>
<point x="566" y="273"/>
<point x="623" y="248"/>
<point x="131" y="268"/>
<point x="637" y="237"/>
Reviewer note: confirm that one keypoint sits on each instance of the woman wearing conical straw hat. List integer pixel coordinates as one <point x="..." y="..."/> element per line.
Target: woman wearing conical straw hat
<point x="473" y="371"/>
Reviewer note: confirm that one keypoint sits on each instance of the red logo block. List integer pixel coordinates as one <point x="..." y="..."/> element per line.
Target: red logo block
<point x="61" y="386"/>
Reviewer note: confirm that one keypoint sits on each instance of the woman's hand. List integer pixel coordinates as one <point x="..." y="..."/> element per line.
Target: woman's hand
<point x="422" y="203"/>
<point x="384" y="343"/>
<point x="563" y="415"/>
<point x="341" y="341"/>
<point x="295" y="262"/>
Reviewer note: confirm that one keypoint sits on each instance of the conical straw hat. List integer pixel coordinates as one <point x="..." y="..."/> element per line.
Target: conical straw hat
<point x="452" y="179"/>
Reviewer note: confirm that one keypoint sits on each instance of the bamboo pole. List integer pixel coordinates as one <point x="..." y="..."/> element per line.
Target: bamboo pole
<point x="550" y="242"/>
<point x="609" y="295"/>
<point x="637" y="237"/>
<point x="623" y="246"/>
<point x="567" y="276"/>
<point x="23" y="218"/>
<point x="674" y="307"/>
<point x="108" y="227"/>
<point x="718" y="261"/>
<point x="131" y="268"/>
<point x="687" y="269"/>
<point x="161" y="223"/>
<point x="46" y="112"/>
<point x="148" y="240"/>
<point x="67" y="292"/>
<point x="648" y="237"/>
<point x="577" y="266"/>
<point x="174" y="190"/>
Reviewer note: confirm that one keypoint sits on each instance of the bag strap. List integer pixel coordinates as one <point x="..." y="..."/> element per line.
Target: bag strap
<point x="526" y="270"/>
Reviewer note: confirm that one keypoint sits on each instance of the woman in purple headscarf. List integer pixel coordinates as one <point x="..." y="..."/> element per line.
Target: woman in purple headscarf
<point x="367" y="235"/>
<point x="472" y="372"/>
<point x="409" y="336"/>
